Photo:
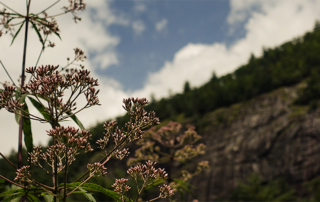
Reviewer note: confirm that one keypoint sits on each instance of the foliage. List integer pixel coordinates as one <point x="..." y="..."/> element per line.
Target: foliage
<point x="169" y="147"/>
<point x="256" y="190"/>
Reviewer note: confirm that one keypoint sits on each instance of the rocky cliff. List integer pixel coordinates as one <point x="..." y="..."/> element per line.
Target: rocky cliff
<point x="267" y="135"/>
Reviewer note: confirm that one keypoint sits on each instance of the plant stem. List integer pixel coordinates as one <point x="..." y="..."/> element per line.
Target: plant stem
<point x="10" y="8"/>
<point x="66" y="173"/>
<point x="7" y="160"/>
<point x="11" y="181"/>
<point x="7" y="73"/>
<point x="48" y="7"/>
<point x="22" y="83"/>
<point x="55" y="165"/>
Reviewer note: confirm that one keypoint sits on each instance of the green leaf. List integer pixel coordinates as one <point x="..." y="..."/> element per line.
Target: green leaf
<point x="26" y="125"/>
<point x="47" y="197"/>
<point x="14" y="198"/>
<point x="42" y="19"/>
<point x="88" y="195"/>
<point x="181" y="194"/>
<point x="155" y="184"/>
<point x="11" y="19"/>
<point x="22" y="100"/>
<point x="17" y="32"/>
<point x="38" y="33"/>
<point x="10" y="191"/>
<point x="4" y="13"/>
<point x="76" y="120"/>
<point x="33" y="198"/>
<point x="58" y="35"/>
<point x="183" y="184"/>
<point x="41" y="109"/>
<point x="98" y="188"/>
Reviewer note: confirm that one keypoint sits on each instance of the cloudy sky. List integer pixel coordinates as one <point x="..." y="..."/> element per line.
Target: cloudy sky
<point x="144" y="47"/>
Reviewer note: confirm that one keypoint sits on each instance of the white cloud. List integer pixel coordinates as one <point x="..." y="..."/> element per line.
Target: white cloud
<point x="138" y="27"/>
<point x="139" y="7"/>
<point x="267" y="24"/>
<point x="161" y="25"/>
<point x="241" y="10"/>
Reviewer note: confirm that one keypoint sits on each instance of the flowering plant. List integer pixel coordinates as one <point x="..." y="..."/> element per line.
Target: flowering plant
<point x="48" y="87"/>
<point x="53" y="93"/>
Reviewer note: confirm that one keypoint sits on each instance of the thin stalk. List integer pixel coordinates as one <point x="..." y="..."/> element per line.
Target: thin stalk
<point x="48" y="7"/>
<point x="170" y="165"/>
<point x="55" y="163"/>
<point x="140" y="191"/>
<point x="10" y="8"/>
<point x="22" y="83"/>
<point x="19" y="185"/>
<point x="42" y="49"/>
<point x="7" y="160"/>
<point x="65" y="174"/>
<point x="154" y="199"/>
<point x="18" y="23"/>
<point x="7" y="73"/>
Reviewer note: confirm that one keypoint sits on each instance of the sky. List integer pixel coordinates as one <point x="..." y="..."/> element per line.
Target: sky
<point x="142" y="48"/>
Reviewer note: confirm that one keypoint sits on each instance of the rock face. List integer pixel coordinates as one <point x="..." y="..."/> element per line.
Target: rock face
<point x="267" y="135"/>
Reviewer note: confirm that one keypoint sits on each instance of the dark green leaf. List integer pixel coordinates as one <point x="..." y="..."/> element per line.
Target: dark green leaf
<point x="26" y="125"/>
<point x="17" y="33"/>
<point x="11" y="19"/>
<point x="182" y="184"/>
<point x="48" y="197"/>
<point x="14" y="198"/>
<point x="181" y="194"/>
<point x="22" y="100"/>
<point x="88" y="195"/>
<point x="58" y="35"/>
<point x="98" y="188"/>
<point x="41" y="109"/>
<point x="38" y="33"/>
<point x="41" y="21"/>
<point x="10" y="192"/>
<point x="4" y="13"/>
<point x="76" y="120"/>
<point x="33" y="198"/>
<point x="155" y="184"/>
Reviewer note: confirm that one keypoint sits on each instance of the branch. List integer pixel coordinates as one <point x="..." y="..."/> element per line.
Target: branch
<point x="48" y="7"/>
<point x="8" y="160"/>
<point x="10" y="8"/>
<point x="7" y="73"/>
<point x="12" y="182"/>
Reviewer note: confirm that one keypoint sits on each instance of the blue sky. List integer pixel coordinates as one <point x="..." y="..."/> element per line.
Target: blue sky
<point x="152" y="47"/>
<point x="182" y="22"/>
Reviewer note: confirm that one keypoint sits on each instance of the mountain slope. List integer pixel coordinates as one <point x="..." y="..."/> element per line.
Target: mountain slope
<point x="266" y="135"/>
